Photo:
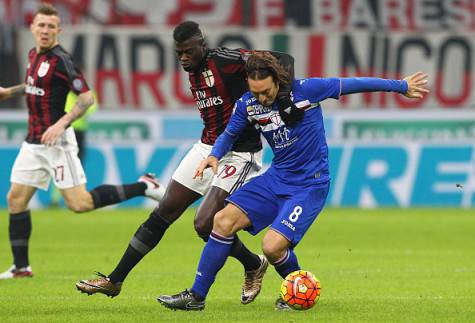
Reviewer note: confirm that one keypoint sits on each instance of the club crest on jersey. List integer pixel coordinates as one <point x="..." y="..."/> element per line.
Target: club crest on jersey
<point x="209" y="78"/>
<point x="44" y="67"/>
<point x="275" y="118"/>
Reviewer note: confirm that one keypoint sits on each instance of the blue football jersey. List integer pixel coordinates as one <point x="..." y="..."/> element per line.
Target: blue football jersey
<point x="300" y="152"/>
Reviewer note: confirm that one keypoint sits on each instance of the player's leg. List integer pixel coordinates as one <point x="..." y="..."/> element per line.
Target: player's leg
<point x="146" y="185"/>
<point x="234" y="170"/>
<point x="79" y="200"/>
<point x="276" y="249"/>
<point x="181" y="192"/>
<point x="176" y="200"/>
<point x="68" y="174"/>
<point x="19" y="230"/>
<point x="226" y="223"/>
<point x="294" y="219"/>
<point x="29" y="172"/>
<point x="253" y="208"/>
<point x="255" y="266"/>
<point x="211" y="204"/>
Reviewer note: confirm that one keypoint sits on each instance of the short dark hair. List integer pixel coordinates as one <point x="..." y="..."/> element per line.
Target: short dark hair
<point x="47" y="9"/>
<point x="261" y="65"/>
<point x="186" y="30"/>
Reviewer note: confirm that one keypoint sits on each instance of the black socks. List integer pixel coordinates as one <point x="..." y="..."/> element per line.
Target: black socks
<point x="249" y="260"/>
<point x="19" y="232"/>
<point x="112" y="194"/>
<point x="145" y="239"/>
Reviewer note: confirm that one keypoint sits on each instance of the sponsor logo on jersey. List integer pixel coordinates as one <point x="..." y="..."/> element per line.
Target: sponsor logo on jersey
<point x="44" y="68"/>
<point x="250" y="101"/>
<point x="209" y="77"/>
<point x="32" y="89"/>
<point x="282" y="138"/>
<point x="288" y="224"/>
<point x="257" y="109"/>
<point x="209" y="102"/>
<point x="205" y="102"/>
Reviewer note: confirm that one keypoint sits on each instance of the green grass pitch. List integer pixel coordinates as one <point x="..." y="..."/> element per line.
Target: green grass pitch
<point x="383" y="265"/>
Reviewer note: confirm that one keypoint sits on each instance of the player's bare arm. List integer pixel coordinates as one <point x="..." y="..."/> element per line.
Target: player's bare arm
<point x="11" y="92"/>
<point x="416" y="85"/>
<point x="84" y="101"/>
<point x="211" y="161"/>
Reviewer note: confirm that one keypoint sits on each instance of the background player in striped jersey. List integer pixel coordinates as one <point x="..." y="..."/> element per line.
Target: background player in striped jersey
<point x="217" y="78"/>
<point x="292" y="192"/>
<point x="50" y="148"/>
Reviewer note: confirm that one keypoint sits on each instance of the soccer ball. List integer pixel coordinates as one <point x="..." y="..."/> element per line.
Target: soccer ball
<point x="300" y="290"/>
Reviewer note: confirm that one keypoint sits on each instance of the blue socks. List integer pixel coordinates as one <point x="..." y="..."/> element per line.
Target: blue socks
<point x="287" y="264"/>
<point x="214" y="256"/>
<point x="212" y="259"/>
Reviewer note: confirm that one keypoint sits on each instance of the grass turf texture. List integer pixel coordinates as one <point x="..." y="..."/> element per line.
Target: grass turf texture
<point x="375" y="265"/>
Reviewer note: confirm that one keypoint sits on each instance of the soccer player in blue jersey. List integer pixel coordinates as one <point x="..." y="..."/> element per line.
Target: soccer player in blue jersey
<point x="292" y="192"/>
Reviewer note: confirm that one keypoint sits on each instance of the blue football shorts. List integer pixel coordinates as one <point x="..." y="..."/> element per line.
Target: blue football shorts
<point x="288" y="209"/>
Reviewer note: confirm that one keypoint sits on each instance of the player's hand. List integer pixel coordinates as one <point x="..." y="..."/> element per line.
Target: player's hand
<point x="52" y="134"/>
<point x="416" y="85"/>
<point x="211" y="161"/>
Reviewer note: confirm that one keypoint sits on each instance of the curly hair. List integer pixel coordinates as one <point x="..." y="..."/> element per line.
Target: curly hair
<point x="261" y="65"/>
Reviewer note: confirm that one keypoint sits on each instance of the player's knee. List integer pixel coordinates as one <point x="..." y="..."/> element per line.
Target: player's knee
<point x="11" y="199"/>
<point x="271" y="250"/>
<point x="156" y="222"/>
<point x="77" y="206"/>
<point x="203" y="225"/>
<point x="16" y="203"/>
<point x="167" y="210"/>
<point x="223" y="224"/>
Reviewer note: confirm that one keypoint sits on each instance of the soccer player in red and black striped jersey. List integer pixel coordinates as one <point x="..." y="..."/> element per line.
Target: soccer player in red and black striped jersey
<point x="50" y="149"/>
<point x="217" y="78"/>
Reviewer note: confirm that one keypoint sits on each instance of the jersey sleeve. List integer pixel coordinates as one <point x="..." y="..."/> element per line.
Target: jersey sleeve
<point x="372" y="84"/>
<point x="76" y="81"/>
<point x="231" y="61"/>
<point x="319" y="89"/>
<point x="236" y="125"/>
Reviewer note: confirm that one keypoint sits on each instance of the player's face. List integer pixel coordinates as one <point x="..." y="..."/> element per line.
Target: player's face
<point x="45" y="30"/>
<point x="265" y="91"/>
<point x="190" y="53"/>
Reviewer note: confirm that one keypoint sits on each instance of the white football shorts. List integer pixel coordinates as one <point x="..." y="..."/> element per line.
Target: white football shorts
<point x="36" y="164"/>
<point x="234" y="169"/>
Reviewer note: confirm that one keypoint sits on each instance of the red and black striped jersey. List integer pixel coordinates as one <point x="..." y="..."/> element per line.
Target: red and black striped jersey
<point x="50" y="76"/>
<point x="219" y="82"/>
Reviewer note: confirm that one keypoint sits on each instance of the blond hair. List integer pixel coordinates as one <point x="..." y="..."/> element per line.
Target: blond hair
<point x="47" y="9"/>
